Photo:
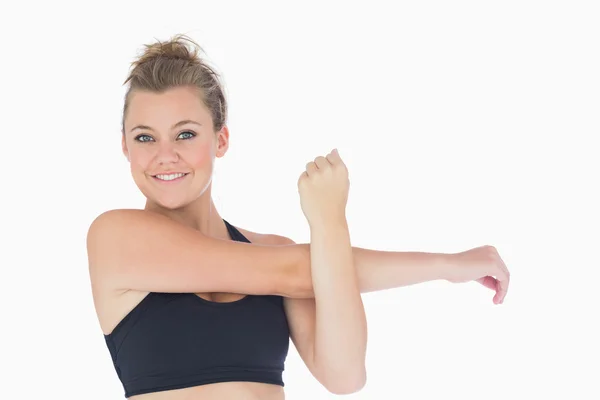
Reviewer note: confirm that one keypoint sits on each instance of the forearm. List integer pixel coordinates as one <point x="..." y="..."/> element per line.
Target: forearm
<point x="341" y="327"/>
<point x="380" y="270"/>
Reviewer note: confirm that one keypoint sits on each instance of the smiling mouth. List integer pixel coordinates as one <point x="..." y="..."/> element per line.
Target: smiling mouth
<point x="169" y="177"/>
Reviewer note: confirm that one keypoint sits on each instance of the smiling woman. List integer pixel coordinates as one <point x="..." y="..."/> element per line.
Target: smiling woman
<point x="192" y="306"/>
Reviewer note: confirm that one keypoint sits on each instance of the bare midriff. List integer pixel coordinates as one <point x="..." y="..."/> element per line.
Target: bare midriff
<point x="220" y="391"/>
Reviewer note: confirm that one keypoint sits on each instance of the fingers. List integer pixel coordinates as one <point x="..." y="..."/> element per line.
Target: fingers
<point x="323" y="163"/>
<point x="489" y="282"/>
<point x="507" y="276"/>
<point x="502" y="276"/>
<point x="334" y="157"/>
<point x="503" y="281"/>
<point x="495" y="275"/>
<point x="311" y="168"/>
<point x="497" y="285"/>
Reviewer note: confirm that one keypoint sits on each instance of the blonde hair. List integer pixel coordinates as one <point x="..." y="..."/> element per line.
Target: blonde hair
<point x="175" y="63"/>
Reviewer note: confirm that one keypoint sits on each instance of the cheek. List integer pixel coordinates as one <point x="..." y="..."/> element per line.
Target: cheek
<point x="140" y="160"/>
<point x="202" y="155"/>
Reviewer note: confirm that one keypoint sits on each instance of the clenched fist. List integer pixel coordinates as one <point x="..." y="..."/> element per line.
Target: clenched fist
<point x="323" y="189"/>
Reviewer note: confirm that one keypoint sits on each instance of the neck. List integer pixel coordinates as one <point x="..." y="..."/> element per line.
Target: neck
<point x="200" y="214"/>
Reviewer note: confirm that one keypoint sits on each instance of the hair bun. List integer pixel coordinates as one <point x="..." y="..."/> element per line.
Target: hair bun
<point x="179" y="47"/>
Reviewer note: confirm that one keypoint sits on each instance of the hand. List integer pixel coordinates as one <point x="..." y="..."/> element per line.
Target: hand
<point x="323" y="189"/>
<point x="484" y="265"/>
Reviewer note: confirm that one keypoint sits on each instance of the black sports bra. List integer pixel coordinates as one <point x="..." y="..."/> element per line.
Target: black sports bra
<point x="179" y="340"/>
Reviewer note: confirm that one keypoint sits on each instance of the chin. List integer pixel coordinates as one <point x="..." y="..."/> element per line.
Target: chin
<point x="171" y="204"/>
<point x="165" y="201"/>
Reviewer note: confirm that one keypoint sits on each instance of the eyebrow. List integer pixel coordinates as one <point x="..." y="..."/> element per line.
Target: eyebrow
<point x="184" y="122"/>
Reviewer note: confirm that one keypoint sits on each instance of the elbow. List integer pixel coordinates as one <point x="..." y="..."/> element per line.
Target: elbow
<point x="347" y="383"/>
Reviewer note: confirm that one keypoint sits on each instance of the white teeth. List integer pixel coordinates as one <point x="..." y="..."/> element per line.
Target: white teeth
<point x="169" y="177"/>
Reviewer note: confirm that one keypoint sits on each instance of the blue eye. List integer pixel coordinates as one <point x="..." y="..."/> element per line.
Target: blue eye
<point x="147" y="138"/>
<point x="192" y="134"/>
<point x="139" y="138"/>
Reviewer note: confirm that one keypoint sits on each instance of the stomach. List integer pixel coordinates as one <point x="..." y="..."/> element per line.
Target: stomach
<point x="219" y="391"/>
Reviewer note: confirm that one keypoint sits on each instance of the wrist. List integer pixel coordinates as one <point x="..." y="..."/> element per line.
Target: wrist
<point x="328" y="223"/>
<point x="447" y="266"/>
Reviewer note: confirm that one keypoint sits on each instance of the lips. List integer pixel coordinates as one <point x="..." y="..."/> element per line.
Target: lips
<point x="170" y="177"/>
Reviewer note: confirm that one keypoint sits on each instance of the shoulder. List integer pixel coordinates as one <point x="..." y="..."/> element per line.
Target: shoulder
<point x="112" y="223"/>
<point x="123" y="215"/>
<point x="267" y="239"/>
<point x="112" y="219"/>
<point x="111" y="231"/>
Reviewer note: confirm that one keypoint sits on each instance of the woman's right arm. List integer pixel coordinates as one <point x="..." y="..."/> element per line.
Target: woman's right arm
<point x="146" y="251"/>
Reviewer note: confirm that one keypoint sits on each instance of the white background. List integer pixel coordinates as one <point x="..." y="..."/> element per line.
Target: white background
<point x="462" y="123"/>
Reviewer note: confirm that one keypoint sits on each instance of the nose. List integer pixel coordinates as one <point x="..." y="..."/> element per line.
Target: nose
<point x="167" y="153"/>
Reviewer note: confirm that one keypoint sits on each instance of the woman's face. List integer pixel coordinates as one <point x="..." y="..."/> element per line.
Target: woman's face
<point x="171" y="146"/>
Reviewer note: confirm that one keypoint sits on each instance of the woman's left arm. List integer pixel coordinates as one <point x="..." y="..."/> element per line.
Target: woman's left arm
<point x="375" y="270"/>
<point x="381" y="270"/>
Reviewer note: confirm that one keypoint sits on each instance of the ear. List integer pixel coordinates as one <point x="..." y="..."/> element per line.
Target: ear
<point x="124" y="146"/>
<point x="222" y="141"/>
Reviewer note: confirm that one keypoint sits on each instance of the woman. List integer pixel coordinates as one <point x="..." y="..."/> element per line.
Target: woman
<point x="193" y="307"/>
